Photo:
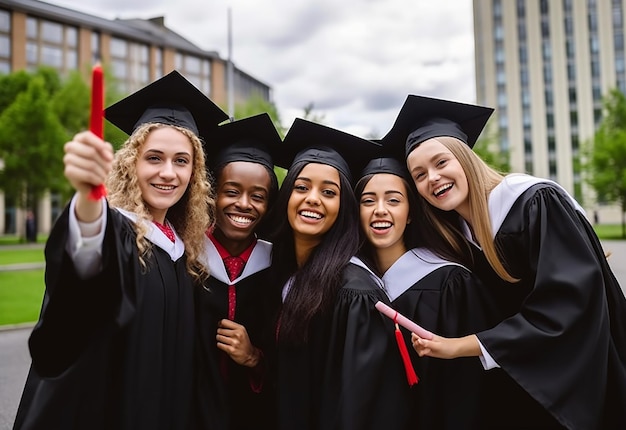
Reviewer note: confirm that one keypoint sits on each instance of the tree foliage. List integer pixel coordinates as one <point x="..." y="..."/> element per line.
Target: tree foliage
<point x="606" y="156"/>
<point x="31" y="142"/>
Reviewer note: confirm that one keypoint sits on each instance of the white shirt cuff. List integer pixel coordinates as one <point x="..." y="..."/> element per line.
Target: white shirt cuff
<point x="486" y="359"/>
<point x="84" y="244"/>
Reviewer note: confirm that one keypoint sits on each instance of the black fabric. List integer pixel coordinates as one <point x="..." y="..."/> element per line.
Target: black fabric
<point x="171" y="100"/>
<point x="387" y="165"/>
<point x="317" y="143"/>
<point x="253" y="139"/>
<point x="562" y="348"/>
<point x="242" y="406"/>
<point x="350" y="374"/>
<point x="426" y="117"/>
<point x="451" y="394"/>
<point x="114" y="351"/>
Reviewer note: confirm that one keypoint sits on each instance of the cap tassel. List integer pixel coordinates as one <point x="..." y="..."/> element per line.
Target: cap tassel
<point x="408" y="366"/>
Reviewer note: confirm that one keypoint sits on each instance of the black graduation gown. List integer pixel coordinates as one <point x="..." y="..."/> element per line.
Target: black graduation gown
<point x="114" y="351"/>
<point x="445" y="298"/>
<point x="562" y="347"/>
<point x="350" y="374"/>
<point x="247" y="397"/>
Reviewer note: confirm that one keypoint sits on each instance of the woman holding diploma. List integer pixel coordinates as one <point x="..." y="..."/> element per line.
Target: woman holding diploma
<point x="338" y="365"/>
<point x="557" y="356"/>
<point x="439" y="295"/>
<point x="114" y="345"/>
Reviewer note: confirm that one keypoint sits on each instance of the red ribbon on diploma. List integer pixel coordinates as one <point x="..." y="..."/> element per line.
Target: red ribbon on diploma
<point x="96" y="120"/>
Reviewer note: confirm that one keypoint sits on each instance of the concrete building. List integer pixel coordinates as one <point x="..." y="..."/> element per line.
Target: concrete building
<point x="34" y="33"/>
<point x="545" y="66"/>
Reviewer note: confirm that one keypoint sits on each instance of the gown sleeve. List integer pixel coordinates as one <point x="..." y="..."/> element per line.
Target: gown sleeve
<point x="561" y="331"/>
<point x="76" y="311"/>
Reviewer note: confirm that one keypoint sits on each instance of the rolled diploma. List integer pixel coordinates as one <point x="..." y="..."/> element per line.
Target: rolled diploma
<point x="403" y="321"/>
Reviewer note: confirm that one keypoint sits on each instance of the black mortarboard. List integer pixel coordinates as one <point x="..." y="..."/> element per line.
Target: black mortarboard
<point x="317" y="143"/>
<point x="171" y="100"/>
<point x="422" y="118"/>
<point x="254" y="139"/>
<point x="389" y="165"/>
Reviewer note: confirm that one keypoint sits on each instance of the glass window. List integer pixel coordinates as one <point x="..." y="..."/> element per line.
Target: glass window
<point x="32" y="30"/>
<point x="120" y="69"/>
<point x="178" y="60"/>
<point x="595" y="68"/>
<point x="503" y="121"/>
<point x="5" y="67"/>
<point x="617" y="16"/>
<point x="52" y="56"/>
<point x="119" y="48"/>
<point x="193" y="65"/>
<point x="571" y="72"/>
<point x="32" y="53"/>
<point x="95" y="46"/>
<point x="71" y="59"/>
<point x="5" y="46"/>
<point x="5" y="21"/>
<point x="158" y="63"/>
<point x="71" y="36"/>
<point x="143" y="53"/>
<point x="52" y="32"/>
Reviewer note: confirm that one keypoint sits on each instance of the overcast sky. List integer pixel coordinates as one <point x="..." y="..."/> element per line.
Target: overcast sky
<point x="355" y="60"/>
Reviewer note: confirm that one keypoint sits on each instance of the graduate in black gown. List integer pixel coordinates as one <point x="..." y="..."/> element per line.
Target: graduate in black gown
<point x="114" y="344"/>
<point x="441" y="295"/>
<point x="558" y="356"/>
<point x="338" y="365"/>
<point x="236" y="308"/>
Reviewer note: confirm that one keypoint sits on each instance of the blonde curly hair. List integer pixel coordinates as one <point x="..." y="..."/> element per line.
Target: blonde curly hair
<point x="191" y="216"/>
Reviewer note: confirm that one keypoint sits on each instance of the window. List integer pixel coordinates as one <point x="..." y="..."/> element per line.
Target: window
<point x="5" y="21"/>
<point x="52" y="32"/>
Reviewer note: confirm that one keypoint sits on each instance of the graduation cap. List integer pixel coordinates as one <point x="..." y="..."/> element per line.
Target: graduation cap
<point x="422" y="118"/>
<point x="253" y="139"/>
<point x="171" y="100"/>
<point x="390" y="165"/>
<point x="317" y="143"/>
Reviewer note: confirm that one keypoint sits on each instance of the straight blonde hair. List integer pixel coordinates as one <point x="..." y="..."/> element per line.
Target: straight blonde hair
<point x="481" y="179"/>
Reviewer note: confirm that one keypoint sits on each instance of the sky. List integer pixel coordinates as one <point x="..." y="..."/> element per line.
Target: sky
<point x="355" y="61"/>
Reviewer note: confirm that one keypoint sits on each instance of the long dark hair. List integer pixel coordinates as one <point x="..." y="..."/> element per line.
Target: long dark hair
<point x="316" y="283"/>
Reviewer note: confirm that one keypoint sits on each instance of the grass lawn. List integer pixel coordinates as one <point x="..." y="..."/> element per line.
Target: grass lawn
<point x="21" y="293"/>
<point x="14" y="256"/>
<point x="609" y="231"/>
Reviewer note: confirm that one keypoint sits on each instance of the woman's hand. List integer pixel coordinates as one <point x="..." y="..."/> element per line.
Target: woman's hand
<point x="442" y="347"/>
<point x="233" y="339"/>
<point x="88" y="161"/>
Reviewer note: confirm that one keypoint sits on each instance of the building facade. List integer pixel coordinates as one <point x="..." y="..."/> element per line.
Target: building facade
<point x="545" y="66"/>
<point x="34" y="33"/>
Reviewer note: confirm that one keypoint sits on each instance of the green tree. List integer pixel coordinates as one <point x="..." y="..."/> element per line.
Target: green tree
<point x="488" y="149"/>
<point x="257" y="105"/>
<point x="31" y="145"/>
<point x="606" y="154"/>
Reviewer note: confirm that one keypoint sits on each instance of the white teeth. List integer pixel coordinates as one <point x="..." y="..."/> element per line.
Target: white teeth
<point x="164" y="187"/>
<point x="381" y="224"/>
<point x="240" y="219"/>
<point x="441" y="189"/>
<point x="310" y="214"/>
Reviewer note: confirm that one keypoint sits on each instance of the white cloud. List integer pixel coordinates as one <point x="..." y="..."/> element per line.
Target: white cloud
<point x="355" y="60"/>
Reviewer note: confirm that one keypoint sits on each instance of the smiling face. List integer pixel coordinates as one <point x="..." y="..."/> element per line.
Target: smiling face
<point x="243" y="190"/>
<point x="384" y="212"/>
<point x="439" y="177"/>
<point x="314" y="202"/>
<point x="164" y="168"/>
